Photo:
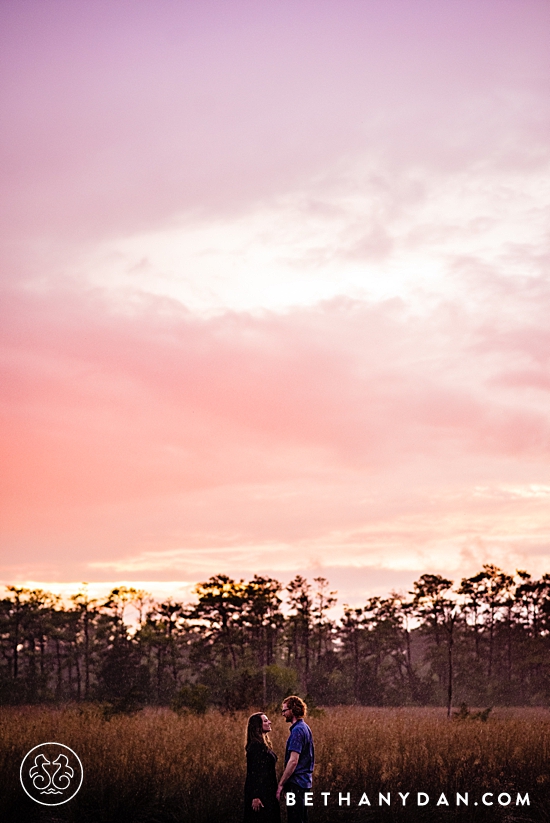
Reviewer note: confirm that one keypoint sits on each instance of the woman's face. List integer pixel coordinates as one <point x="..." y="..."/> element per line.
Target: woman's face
<point x="266" y="723"/>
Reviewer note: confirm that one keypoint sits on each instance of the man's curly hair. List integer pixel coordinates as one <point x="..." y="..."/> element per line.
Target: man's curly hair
<point x="296" y="705"/>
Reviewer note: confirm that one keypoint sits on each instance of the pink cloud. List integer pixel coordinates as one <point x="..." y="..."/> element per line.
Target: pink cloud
<point x="117" y="118"/>
<point x="527" y="378"/>
<point x="137" y="432"/>
<point x="272" y="427"/>
<point x="362" y="384"/>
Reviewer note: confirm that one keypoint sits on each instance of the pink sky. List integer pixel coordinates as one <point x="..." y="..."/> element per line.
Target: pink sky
<point x="276" y="291"/>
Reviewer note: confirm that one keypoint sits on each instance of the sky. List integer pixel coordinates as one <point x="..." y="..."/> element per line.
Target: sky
<point x="275" y="291"/>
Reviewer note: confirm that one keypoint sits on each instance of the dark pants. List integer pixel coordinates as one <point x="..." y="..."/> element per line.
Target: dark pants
<point x="298" y="812"/>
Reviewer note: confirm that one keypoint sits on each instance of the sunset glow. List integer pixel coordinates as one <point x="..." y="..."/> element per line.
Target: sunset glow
<point x="276" y="291"/>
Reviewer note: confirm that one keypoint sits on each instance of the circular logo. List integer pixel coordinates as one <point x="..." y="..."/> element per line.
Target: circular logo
<point x="51" y="774"/>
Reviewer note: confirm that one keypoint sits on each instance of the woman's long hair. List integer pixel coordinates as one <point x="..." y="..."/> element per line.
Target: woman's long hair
<point x="254" y="731"/>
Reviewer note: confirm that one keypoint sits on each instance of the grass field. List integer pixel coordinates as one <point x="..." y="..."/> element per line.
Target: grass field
<point x="158" y="767"/>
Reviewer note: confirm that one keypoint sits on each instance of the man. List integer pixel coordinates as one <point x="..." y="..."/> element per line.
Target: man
<point x="299" y="759"/>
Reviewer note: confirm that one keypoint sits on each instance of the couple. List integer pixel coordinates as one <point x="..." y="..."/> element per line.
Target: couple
<point x="261" y="791"/>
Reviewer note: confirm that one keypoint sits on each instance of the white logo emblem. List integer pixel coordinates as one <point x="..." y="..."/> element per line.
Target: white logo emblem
<point x="51" y="774"/>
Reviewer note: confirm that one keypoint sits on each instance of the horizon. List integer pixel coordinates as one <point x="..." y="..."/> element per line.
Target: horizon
<point x="184" y="592"/>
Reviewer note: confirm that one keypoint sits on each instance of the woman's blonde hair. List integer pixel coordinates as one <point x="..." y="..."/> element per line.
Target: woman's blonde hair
<point x="255" y="732"/>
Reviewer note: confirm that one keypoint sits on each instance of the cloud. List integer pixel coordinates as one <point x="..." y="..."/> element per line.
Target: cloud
<point x="360" y="384"/>
<point x="131" y="429"/>
<point x="276" y="286"/>
<point x="117" y="122"/>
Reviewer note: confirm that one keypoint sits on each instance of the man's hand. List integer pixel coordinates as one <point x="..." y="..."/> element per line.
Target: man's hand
<point x="288" y="772"/>
<point x="257" y="804"/>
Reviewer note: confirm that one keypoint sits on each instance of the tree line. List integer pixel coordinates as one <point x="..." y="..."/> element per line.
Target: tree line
<point x="483" y="641"/>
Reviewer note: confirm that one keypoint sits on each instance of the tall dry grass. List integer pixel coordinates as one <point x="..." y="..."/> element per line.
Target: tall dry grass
<point x="157" y="767"/>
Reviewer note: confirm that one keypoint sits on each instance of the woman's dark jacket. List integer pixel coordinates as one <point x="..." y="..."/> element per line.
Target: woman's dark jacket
<point x="261" y="781"/>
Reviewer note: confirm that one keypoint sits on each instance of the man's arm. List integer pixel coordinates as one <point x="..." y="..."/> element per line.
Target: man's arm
<point x="288" y="772"/>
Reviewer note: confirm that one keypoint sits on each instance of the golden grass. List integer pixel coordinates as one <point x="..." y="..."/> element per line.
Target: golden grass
<point x="157" y="766"/>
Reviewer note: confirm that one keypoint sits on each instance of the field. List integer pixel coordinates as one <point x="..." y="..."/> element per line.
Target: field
<point x="158" y="767"/>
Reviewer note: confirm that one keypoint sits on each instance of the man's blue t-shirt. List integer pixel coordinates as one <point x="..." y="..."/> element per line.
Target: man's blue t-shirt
<point x="300" y="740"/>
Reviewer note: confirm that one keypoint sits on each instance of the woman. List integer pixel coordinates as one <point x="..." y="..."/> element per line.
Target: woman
<point x="260" y="803"/>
